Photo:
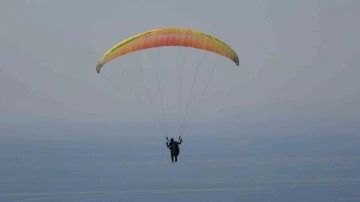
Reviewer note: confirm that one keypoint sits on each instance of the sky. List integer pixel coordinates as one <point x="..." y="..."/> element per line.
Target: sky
<point x="299" y="63"/>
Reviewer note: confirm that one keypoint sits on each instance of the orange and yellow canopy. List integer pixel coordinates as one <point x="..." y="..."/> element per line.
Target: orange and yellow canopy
<point x="169" y="37"/>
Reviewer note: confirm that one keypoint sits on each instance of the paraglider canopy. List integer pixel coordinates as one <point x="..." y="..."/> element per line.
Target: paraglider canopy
<point x="169" y="37"/>
<point x="166" y="37"/>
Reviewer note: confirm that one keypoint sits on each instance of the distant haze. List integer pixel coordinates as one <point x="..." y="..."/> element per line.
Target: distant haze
<point x="299" y="63"/>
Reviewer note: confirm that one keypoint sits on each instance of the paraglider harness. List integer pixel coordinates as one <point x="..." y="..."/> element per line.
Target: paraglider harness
<point x="174" y="146"/>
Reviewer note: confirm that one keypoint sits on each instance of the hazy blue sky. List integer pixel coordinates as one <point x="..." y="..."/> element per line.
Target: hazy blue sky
<point x="299" y="60"/>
